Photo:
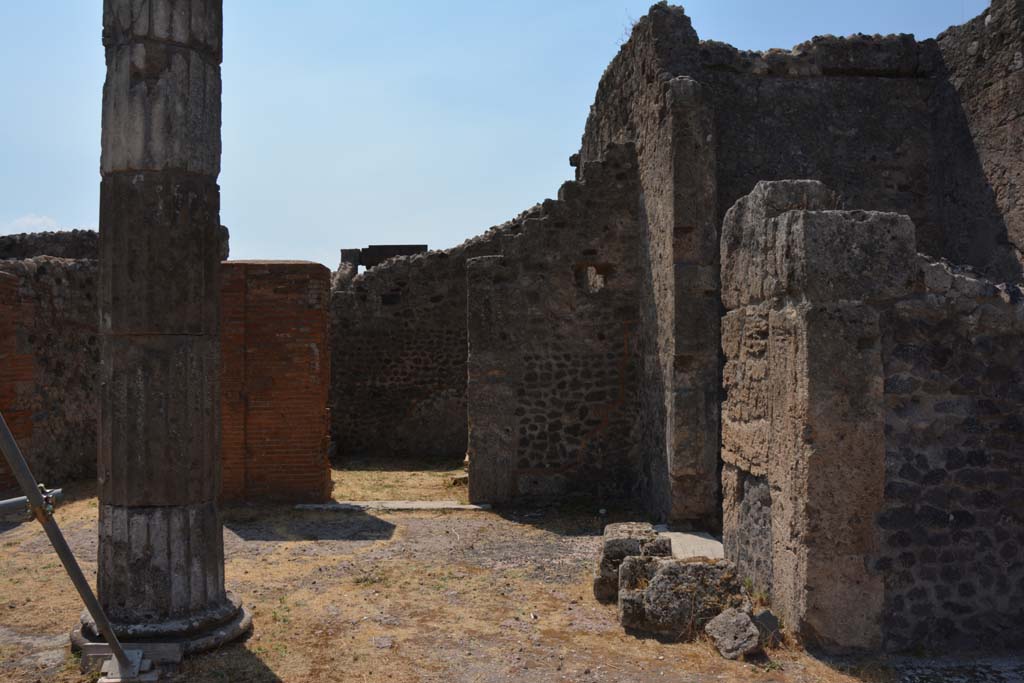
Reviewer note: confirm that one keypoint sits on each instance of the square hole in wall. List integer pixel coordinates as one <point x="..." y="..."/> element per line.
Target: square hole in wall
<point x="593" y="277"/>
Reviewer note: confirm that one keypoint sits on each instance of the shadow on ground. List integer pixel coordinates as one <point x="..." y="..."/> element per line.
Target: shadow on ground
<point x="233" y="662"/>
<point x="284" y="523"/>
<point x="391" y="463"/>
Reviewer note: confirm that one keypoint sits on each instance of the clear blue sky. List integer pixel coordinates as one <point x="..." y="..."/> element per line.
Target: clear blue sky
<point x="349" y="123"/>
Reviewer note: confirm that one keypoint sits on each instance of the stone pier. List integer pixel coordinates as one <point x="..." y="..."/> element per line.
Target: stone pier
<point x="161" y="552"/>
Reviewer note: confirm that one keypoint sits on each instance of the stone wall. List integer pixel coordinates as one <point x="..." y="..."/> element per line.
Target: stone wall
<point x="275" y="377"/>
<point x="398" y="356"/>
<point x="49" y="364"/>
<point x="889" y="122"/>
<point x="69" y="244"/>
<point x="953" y="523"/>
<point x="861" y="379"/>
<point x="554" y="337"/>
<point x="979" y="147"/>
<point x="672" y="124"/>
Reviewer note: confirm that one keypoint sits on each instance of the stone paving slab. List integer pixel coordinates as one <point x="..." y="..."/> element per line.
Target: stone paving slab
<point x="390" y="505"/>
<point x="687" y="544"/>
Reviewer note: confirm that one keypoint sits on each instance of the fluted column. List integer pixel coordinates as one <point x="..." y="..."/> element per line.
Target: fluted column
<point x="161" y="551"/>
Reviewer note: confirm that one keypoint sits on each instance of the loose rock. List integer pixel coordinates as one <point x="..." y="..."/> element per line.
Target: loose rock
<point x="734" y="634"/>
<point x="676" y="598"/>
<point x="620" y="541"/>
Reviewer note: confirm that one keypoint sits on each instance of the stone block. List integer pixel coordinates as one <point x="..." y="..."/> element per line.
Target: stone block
<point x="620" y="541"/>
<point x="161" y="111"/>
<point x="160" y="248"/>
<point x="805" y="465"/>
<point x="675" y="598"/>
<point x="159" y="440"/>
<point x="747" y="243"/>
<point x="817" y="255"/>
<point x="195" y="24"/>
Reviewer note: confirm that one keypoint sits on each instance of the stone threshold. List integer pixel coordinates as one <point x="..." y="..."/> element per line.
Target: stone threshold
<point x="389" y="505"/>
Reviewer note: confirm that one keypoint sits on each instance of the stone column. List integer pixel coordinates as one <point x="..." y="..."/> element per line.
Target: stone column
<point x="161" y="549"/>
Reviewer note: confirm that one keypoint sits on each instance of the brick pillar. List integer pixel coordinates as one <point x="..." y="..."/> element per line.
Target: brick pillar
<point x="275" y="380"/>
<point x="161" y="550"/>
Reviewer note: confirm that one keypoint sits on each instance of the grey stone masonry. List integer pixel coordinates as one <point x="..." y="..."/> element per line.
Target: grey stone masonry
<point x="871" y="429"/>
<point x="626" y="539"/>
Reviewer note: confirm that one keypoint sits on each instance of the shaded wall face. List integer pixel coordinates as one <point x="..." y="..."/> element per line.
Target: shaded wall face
<point x="49" y="363"/>
<point x="398" y="336"/>
<point x="953" y="524"/>
<point x="275" y="376"/>
<point x="554" y="325"/>
<point x="865" y="137"/>
<point x="979" y="147"/>
<point x="674" y="132"/>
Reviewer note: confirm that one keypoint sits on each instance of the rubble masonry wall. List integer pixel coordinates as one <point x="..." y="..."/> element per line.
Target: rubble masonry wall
<point x="554" y="336"/>
<point x="871" y="427"/>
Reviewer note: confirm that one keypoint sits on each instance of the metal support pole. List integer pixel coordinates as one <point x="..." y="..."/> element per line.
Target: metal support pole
<point x="15" y="505"/>
<point x="16" y="461"/>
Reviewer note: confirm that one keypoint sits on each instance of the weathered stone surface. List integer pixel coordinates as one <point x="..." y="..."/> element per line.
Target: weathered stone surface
<point x="748" y="517"/>
<point x="49" y="362"/>
<point x="160" y="563"/>
<point x="492" y="428"/>
<point x="733" y="633"/>
<point x="553" y="335"/>
<point x="952" y="525"/>
<point x="195" y="24"/>
<point x="398" y="357"/>
<point x="711" y="121"/>
<point x="159" y="439"/>
<point x="161" y="546"/>
<point x="843" y="408"/>
<point x="820" y="255"/>
<point x="161" y="236"/>
<point x="748" y="274"/>
<point x="161" y="110"/>
<point x="620" y="541"/>
<point x="861" y="55"/>
<point x="675" y="598"/>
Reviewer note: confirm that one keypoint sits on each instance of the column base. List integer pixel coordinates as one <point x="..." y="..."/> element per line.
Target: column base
<point x="199" y="633"/>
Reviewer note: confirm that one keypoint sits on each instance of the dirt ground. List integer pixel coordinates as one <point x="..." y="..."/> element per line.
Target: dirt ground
<point x="474" y="597"/>
<point x="369" y="479"/>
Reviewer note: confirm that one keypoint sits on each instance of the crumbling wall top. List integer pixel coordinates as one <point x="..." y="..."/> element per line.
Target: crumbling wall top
<point x="76" y="244"/>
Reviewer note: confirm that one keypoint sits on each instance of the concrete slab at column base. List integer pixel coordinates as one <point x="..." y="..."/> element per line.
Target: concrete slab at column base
<point x="196" y="634"/>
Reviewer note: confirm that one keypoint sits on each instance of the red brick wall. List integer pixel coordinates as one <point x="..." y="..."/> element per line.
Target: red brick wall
<point x="16" y="373"/>
<point x="275" y="376"/>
